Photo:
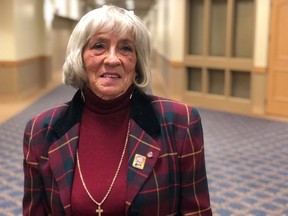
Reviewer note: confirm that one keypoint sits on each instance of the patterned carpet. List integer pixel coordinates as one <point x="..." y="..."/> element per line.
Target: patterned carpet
<point x="246" y="161"/>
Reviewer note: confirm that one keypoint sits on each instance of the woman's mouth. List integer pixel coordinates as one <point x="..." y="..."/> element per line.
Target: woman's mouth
<point x="110" y="76"/>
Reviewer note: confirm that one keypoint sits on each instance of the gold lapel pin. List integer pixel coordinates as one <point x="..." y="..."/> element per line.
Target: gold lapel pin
<point x="139" y="161"/>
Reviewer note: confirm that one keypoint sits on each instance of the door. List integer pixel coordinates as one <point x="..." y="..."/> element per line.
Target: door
<point x="277" y="99"/>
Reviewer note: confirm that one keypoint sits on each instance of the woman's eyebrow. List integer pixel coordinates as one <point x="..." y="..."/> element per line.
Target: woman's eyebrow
<point x="126" y="40"/>
<point x="99" y="38"/>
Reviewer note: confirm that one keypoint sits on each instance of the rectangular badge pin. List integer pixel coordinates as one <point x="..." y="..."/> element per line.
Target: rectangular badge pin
<point x="139" y="161"/>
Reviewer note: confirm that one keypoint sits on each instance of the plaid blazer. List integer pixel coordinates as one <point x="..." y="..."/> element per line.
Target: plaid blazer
<point x="173" y="181"/>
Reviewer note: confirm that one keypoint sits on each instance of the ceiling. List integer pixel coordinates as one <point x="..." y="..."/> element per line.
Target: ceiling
<point x="141" y="7"/>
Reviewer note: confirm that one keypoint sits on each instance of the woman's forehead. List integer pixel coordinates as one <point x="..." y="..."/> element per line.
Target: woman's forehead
<point x="108" y="32"/>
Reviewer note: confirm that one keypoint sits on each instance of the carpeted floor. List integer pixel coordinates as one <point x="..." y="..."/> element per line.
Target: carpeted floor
<point x="246" y="160"/>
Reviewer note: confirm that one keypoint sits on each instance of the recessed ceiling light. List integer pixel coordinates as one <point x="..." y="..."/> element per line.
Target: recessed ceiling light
<point x="100" y="2"/>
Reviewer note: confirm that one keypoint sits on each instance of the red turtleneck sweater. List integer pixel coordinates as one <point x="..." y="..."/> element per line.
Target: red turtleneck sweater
<point x="103" y="132"/>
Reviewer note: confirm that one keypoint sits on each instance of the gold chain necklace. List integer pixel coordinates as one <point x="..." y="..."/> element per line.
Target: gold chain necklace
<point x="99" y="210"/>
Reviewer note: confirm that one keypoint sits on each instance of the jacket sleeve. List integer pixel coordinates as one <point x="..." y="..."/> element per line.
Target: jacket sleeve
<point x="194" y="187"/>
<point x="33" y="203"/>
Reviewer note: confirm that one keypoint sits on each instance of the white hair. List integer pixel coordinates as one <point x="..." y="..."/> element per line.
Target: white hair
<point x="107" y="18"/>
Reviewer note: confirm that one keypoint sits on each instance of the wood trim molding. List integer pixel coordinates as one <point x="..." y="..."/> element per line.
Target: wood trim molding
<point x="176" y="64"/>
<point x="24" y="61"/>
<point x="260" y="70"/>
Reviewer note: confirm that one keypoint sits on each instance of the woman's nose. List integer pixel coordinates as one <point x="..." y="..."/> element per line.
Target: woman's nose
<point x="112" y="58"/>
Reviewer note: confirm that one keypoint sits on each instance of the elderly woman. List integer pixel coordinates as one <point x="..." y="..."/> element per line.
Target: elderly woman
<point x="113" y="149"/>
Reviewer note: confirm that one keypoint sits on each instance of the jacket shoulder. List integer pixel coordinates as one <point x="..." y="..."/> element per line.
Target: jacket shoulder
<point x="174" y="111"/>
<point x="47" y="118"/>
<point x="37" y="130"/>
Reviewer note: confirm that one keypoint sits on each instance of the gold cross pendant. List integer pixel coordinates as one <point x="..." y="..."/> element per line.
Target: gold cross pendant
<point x="99" y="210"/>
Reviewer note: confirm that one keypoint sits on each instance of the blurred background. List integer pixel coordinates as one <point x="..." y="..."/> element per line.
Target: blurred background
<point x="229" y="55"/>
<point x="228" y="58"/>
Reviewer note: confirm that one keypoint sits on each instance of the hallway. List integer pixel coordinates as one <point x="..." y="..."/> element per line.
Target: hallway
<point x="246" y="158"/>
<point x="222" y="57"/>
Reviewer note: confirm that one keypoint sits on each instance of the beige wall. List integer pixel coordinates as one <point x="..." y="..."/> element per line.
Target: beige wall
<point x="61" y="30"/>
<point x="25" y="64"/>
<point x="67" y="8"/>
<point x="29" y="28"/>
<point x="261" y="33"/>
<point x="168" y="44"/>
<point x="7" y="37"/>
<point x="22" y="24"/>
<point x="260" y="59"/>
<point x="167" y="27"/>
<point x="167" y="21"/>
<point x="30" y="48"/>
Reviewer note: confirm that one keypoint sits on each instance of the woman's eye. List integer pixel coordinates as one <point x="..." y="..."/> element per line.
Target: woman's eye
<point x="127" y="48"/>
<point x="98" y="46"/>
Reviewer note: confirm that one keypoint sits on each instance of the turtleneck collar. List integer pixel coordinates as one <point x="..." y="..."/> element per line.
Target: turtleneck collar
<point x="100" y="106"/>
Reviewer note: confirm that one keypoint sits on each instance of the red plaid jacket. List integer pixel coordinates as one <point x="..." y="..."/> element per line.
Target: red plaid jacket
<point x="173" y="181"/>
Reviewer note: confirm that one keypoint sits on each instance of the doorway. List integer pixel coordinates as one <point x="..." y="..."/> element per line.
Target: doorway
<point x="277" y="98"/>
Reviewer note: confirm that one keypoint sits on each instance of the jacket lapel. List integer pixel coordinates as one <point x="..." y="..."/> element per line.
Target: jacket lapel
<point x="62" y="161"/>
<point x="62" y="152"/>
<point x="143" y="153"/>
<point x="143" y="144"/>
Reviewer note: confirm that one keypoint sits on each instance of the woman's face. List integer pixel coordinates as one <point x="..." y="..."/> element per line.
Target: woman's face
<point x="110" y="63"/>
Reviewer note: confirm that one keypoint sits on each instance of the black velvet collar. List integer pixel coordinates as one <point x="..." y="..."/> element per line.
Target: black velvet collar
<point x="141" y="112"/>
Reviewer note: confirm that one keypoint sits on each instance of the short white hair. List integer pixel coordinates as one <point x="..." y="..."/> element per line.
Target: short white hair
<point x="107" y="18"/>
